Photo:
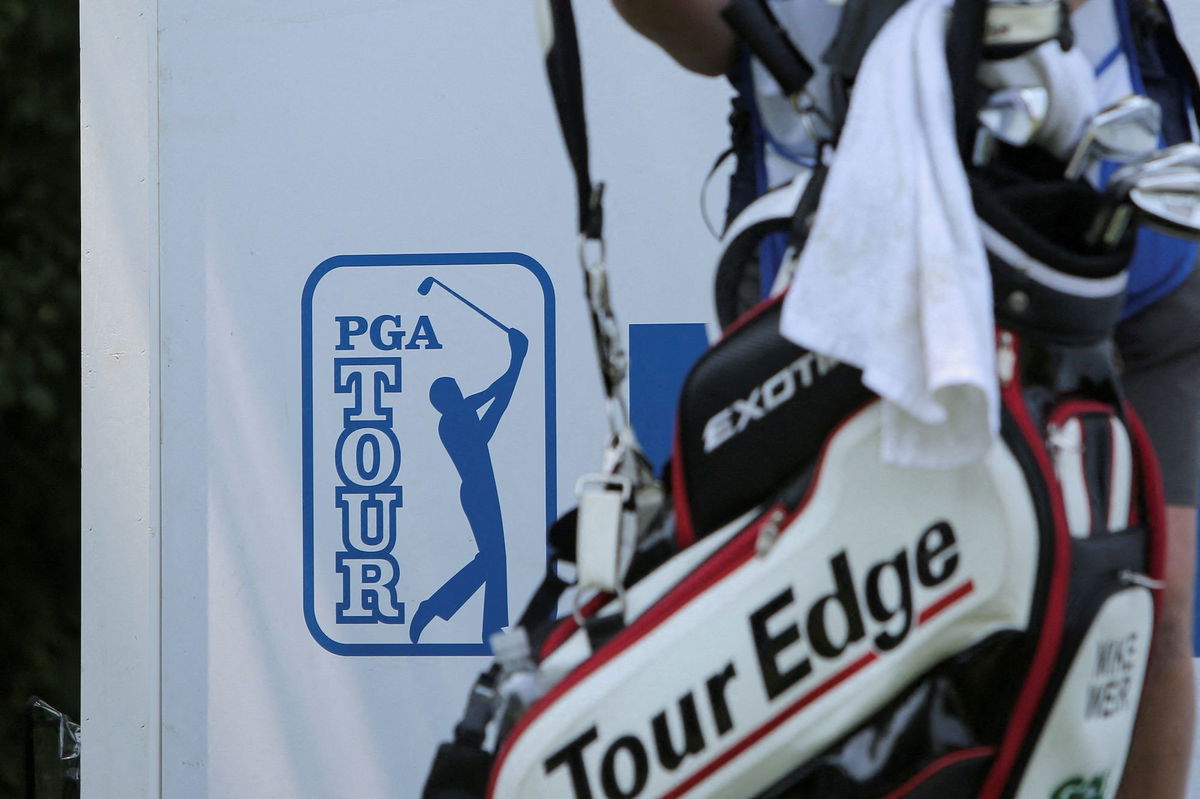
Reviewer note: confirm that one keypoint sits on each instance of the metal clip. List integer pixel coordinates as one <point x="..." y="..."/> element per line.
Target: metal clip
<point x="592" y="252"/>
<point x="816" y="123"/>
<point x="1129" y="577"/>
<point x="768" y="534"/>
<point x="619" y="445"/>
<point x="609" y="346"/>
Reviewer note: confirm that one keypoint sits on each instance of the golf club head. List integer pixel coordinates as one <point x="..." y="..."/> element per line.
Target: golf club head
<point x="1014" y="115"/>
<point x="1170" y="202"/>
<point x="425" y="286"/>
<point x="1126" y="130"/>
<point x="1157" y="181"/>
<point x="1178" y="156"/>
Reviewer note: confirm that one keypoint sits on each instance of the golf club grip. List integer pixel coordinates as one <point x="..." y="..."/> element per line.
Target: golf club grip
<point x="757" y="26"/>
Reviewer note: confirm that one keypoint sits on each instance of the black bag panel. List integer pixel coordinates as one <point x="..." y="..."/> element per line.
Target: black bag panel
<point x="1053" y="371"/>
<point x="970" y="724"/>
<point x="1096" y="564"/>
<point x="1034" y="308"/>
<point x="1050" y="220"/>
<point x="957" y="775"/>
<point x="756" y="411"/>
<point x="753" y="413"/>
<point x="1054" y="383"/>
<point x="459" y="771"/>
<point x="1098" y="557"/>
<point x="737" y="284"/>
<point x="1074" y="290"/>
<point x="940" y="733"/>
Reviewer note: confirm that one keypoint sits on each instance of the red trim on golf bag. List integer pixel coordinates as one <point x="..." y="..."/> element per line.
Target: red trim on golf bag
<point x="728" y="558"/>
<point x="733" y="554"/>
<point x="567" y="627"/>
<point x="996" y="766"/>
<point x="685" y="530"/>
<point x="738" y="407"/>
<point x="939" y="765"/>
<point x="1095" y="466"/>
<point x="779" y="494"/>
<point x="807" y="699"/>
<point x="1075" y="407"/>
<point x="1053" y="616"/>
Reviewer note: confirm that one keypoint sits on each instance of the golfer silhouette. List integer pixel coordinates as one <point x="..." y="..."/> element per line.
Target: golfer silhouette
<point x="465" y="435"/>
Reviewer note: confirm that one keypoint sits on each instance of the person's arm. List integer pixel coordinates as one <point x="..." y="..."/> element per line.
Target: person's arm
<point x="691" y="31"/>
<point x="501" y="390"/>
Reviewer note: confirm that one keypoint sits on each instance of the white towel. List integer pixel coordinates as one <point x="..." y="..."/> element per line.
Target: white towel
<point x="894" y="277"/>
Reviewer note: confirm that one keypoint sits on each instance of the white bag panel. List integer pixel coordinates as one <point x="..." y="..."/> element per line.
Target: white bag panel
<point x="779" y="203"/>
<point x="1066" y="446"/>
<point x="930" y="561"/>
<point x="1121" y="478"/>
<point x="1082" y="750"/>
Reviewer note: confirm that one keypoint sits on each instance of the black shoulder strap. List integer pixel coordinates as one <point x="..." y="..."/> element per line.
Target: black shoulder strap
<point x="566" y="83"/>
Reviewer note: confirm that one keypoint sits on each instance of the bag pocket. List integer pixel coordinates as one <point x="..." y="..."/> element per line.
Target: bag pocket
<point x="1092" y="454"/>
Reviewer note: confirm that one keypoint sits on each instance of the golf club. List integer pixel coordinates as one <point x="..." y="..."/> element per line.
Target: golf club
<point x="1115" y="213"/>
<point x="1169" y="202"/>
<point x="1013" y="116"/>
<point x="1117" y="210"/>
<point x="1185" y="155"/>
<point x="428" y="283"/>
<point x="1125" y="130"/>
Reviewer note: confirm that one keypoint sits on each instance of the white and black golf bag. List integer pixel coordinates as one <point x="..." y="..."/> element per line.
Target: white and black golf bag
<point x="800" y="619"/>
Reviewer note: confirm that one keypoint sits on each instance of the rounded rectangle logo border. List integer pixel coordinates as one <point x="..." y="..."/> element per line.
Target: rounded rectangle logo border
<point x="306" y="323"/>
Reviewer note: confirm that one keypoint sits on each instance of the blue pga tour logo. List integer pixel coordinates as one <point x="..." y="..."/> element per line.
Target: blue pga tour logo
<point x="428" y="449"/>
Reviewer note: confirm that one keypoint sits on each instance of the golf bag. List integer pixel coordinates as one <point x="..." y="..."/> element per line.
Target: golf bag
<point x="800" y="619"/>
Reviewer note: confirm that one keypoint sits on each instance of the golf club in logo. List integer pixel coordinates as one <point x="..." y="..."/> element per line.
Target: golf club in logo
<point x="431" y="281"/>
<point x="425" y="505"/>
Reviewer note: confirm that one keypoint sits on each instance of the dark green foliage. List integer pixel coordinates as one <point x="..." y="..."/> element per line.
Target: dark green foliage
<point x="39" y="366"/>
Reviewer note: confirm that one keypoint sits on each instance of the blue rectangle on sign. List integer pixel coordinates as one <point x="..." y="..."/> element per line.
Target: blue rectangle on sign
<point x="660" y="357"/>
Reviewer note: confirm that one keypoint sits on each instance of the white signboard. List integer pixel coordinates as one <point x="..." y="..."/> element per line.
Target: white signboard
<point x="339" y="369"/>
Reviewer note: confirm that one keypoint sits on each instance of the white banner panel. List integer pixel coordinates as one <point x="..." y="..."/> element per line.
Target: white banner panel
<point x="309" y="226"/>
<point x="368" y="362"/>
